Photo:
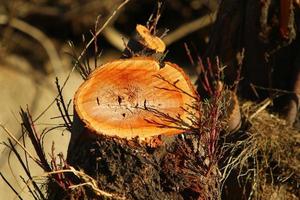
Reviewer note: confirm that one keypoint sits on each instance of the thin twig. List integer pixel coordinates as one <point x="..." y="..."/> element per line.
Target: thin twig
<point x="35" y="139"/>
<point x="96" y="43"/>
<point x="10" y="135"/>
<point x="32" y="192"/>
<point x="82" y="54"/>
<point x="62" y="107"/>
<point x="188" y="52"/>
<point x="27" y="171"/>
<point x="101" y="29"/>
<point x="88" y="181"/>
<point x="153" y="21"/>
<point x="273" y="89"/>
<point x="240" y="60"/>
<point x="261" y="108"/>
<point x="175" y="86"/>
<point x="10" y="186"/>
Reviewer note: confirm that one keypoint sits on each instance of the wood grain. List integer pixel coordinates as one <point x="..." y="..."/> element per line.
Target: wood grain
<point x="121" y="97"/>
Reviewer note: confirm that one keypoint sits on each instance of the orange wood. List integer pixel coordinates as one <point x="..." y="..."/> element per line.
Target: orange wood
<point x="117" y="98"/>
<point x="149" y="40"/>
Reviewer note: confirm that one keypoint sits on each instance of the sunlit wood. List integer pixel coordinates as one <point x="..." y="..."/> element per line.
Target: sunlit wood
<point x="149" y="40"/>
<point x="120" y="98"/>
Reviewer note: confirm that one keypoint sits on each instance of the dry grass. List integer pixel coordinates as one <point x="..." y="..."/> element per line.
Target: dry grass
<point x="268" y="157"/>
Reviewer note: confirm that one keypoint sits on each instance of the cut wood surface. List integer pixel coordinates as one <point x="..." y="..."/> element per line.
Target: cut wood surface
<point x="125" y="97"/>
<point x="151" y="41"/>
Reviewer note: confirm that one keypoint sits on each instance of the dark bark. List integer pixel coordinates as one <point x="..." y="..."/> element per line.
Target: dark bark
<point x="175" y="170"/>
<point x="271" y="59"/>
<point x="270" y="55"/>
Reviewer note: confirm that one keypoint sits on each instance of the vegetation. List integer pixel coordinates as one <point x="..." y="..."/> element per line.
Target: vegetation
<point x="234" y="135"/>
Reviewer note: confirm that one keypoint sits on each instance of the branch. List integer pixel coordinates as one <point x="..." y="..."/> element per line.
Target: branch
<point x="37" y="35"/>
<point x="115" y="38"/>
<point x="189" y="28"/>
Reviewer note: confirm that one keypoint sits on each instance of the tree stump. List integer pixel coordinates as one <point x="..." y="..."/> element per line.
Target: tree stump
<point x="135" y="133"/>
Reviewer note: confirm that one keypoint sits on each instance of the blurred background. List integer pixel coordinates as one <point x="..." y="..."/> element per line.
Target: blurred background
<point x="34" y="49"/>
